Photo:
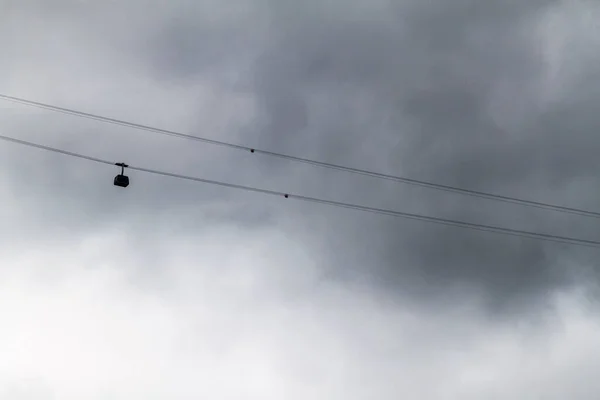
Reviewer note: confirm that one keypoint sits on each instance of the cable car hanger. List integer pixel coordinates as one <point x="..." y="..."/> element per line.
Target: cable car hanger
<point x="122" y="180"/>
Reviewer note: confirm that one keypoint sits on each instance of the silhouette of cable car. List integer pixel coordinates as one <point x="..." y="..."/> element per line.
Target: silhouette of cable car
<point x="122" y="180"/>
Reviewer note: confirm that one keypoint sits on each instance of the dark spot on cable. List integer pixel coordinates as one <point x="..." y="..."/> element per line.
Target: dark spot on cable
<point x="251" y="150"/>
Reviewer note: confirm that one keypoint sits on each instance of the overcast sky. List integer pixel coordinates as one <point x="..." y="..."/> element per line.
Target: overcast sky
<point x="176" y="290"/>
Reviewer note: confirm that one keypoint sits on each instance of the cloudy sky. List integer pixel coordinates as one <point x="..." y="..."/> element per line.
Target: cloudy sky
<point x="177" y="290"/>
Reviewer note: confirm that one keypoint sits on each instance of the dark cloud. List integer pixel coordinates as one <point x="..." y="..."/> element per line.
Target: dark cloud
<point x="442" y="91"/>
<point x="433" y="79"/>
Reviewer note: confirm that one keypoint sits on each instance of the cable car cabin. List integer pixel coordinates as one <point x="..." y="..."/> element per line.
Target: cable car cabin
<point x="121" y="180"/>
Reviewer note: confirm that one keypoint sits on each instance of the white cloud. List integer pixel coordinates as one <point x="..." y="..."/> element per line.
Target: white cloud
<point x="240" y="315"/>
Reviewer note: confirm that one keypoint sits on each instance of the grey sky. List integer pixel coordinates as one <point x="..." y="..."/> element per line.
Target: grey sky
<point x="172" y="289"/>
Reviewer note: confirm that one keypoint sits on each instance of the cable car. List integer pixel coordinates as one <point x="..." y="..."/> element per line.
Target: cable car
<point x="122" y="180"/>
